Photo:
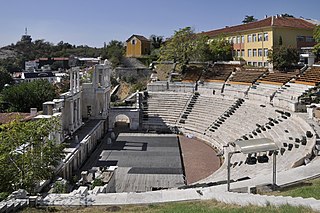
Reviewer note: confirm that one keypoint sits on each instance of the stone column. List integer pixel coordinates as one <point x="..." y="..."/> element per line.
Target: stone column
<point x="71" y="116"/>
<point x="74" y="81"/>
<point x="79" y="113"/>
<point x="78" y="81"/>
<point x="71" y="81"/>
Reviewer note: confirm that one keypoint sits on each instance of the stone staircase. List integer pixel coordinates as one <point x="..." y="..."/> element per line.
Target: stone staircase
<point x="188" y="108"/>
<point x="13" y="205"/>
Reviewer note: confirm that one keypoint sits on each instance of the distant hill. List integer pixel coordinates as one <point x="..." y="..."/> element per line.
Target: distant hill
<point x="13" y="56"/>
<point x="7" y="53"/>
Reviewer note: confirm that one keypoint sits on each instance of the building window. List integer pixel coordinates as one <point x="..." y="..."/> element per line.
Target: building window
<point x="249" y="52"/>
<point x="133" y="41"/>
<point x="254" y="64"/>
<point x="242" y="39"/>
<point x="250" y="63"/>
<point x="254" y="37"/>
<point x="254" y="52"/>
<point x="259" y="64"/>
<point x="265" y="64"/>
<point x="238" y="53"/>
<point x="265" y="37"/>
<point x="234" y="40"/>
<point x="300" y="38"/>
<point x="260" y="52"/>
<point x="242" y="53"/>
<point x="259" y="37"/>
<point x="238" y="39"/>
<point x="265" y="52"/>
<point x="249" y="38"/>
<point x="310" y="39"/>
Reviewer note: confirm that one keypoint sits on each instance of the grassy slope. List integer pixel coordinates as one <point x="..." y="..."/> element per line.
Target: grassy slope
<point x="183" y="207"/>
<point x="306" y="189"/>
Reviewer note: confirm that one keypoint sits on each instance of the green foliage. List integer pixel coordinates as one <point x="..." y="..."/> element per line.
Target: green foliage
<point x="114" y="52"/>
<point x="280" y="42"/>
<point x="27" y="153"/>
<point x="24" y="96"/>
<point x="316" y="36"/>
<point x="185" y="46"/>
<point x="5" y="78"/>
<point x="41" y="48"/>
<point x="156" y="41"/>
<point x="287" y="15"/>
<point x="113" y="81"/>
<point x="97" y="182"/>
<point x="221" y="49"/>
<point x="248" y="19"/>
<point x="4" y="195"/>
<point x="283" y="57"/>
<point x="138" y="86"/>
<point x="57" y="64"/>
<point x="60" y="187"/>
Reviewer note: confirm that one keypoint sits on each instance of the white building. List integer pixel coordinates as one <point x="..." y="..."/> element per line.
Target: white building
<point x="32" y="76"/>
<point x="96" y="95"/>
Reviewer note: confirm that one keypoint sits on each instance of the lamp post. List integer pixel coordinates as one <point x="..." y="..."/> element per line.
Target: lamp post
<point x="229" y="166"/>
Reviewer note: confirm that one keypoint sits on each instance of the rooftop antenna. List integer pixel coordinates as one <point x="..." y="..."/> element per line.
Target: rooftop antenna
<point x="26" y="31"/>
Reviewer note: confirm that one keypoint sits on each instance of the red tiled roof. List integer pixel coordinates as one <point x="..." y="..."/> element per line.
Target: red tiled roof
<point x="267" y="22"/>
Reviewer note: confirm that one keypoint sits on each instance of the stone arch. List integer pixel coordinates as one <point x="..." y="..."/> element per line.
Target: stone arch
<point x="132" y="116"/>
<point x="122" y="119"/>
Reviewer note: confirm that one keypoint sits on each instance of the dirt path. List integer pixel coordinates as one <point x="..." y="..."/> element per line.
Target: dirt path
<point x="199" y="159"/>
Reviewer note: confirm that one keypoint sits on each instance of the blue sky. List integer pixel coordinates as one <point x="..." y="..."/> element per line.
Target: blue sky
<point x="94" y="22"/>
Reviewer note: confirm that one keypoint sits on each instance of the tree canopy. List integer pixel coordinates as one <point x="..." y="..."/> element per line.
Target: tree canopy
<point x="114" y="52"/>
<point x="283" y="57"/>
<point x="248" y="19"/>
<point x="22" y="97"/>
<point x="5" y="78"/>
<point x="40" y="48"/>
<point x="221" y="49"/>
<point x="27" y="154"/>
<point x="156" y="41"/>
<point x="316" y="36"/>
<point x="185" y="46"/>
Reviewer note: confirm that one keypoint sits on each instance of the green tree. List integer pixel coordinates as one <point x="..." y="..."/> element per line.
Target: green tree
<point x="27" y="153"/>
<point x="221" y="49"/>
<point x="24" y="96"/>
<point x="185" y="46"/>
<point x="5" y="78"/>
<point x="248" y="19"/>
<point x="316" y="36"/>
<point x="156" y="41"/>
<point x="114" y="52"/>
<point x="283" y="57"/>
<point x="287" y="15"/>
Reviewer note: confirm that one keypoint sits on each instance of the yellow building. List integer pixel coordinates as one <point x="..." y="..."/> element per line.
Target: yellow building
<point x="252" y="41"/>
<point x="137" y="46"/>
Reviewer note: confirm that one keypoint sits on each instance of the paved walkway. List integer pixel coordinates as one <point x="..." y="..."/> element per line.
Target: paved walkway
<point x="199" y="159"/>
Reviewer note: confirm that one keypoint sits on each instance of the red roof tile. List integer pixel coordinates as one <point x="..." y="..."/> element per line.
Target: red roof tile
<point x="268" y="22"/>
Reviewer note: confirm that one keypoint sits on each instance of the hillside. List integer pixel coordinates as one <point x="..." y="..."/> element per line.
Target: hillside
<point x="12" y="57"/>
